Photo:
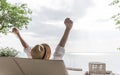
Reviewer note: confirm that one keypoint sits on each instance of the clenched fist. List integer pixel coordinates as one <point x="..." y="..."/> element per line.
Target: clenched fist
<point x="68" y="23"/>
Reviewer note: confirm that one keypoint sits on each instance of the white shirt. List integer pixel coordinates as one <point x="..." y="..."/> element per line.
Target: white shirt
<point x="58" y="54"/>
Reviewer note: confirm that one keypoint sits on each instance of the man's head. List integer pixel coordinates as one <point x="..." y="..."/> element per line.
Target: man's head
<point x="42" y="51"/>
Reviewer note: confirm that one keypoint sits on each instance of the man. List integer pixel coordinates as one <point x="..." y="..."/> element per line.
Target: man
<point x="43" y="51"/>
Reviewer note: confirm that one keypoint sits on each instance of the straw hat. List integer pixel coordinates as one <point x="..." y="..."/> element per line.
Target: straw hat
<point x="42" y="51"/>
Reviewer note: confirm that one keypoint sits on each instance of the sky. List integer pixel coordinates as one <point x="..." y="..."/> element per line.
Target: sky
<point x="93" y="29"/>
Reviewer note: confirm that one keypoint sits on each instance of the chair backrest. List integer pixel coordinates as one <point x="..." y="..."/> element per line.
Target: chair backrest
<point x="9" y="67"/>
<point x="25" y="66"/>
<point x="97" y="68"/>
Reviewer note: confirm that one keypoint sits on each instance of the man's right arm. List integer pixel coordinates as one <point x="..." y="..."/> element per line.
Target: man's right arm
<point x="59" y="51"/>
<point x="68" y="23"/>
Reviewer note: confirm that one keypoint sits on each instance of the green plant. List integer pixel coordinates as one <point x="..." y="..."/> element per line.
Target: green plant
<point x="13" y="15"/>
<point x="118" y="48"/>
<point x="116" y="17"/>
<point x="8" y="52"/>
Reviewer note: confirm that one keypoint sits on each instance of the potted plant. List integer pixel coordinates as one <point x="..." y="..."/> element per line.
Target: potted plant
<point x="8" y="52"/>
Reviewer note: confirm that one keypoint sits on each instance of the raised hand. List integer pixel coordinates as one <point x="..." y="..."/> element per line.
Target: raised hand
<point x="68" y="23"/>
<point x="14" y="30"/>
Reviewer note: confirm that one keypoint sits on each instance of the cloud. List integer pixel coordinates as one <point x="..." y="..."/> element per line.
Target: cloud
<point x="56" y="12"/>
<point x="94" y="31"/>
<point x="75" y="9"/>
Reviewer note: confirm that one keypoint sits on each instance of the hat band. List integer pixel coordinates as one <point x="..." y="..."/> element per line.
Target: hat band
<point x="44" y="53"/>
